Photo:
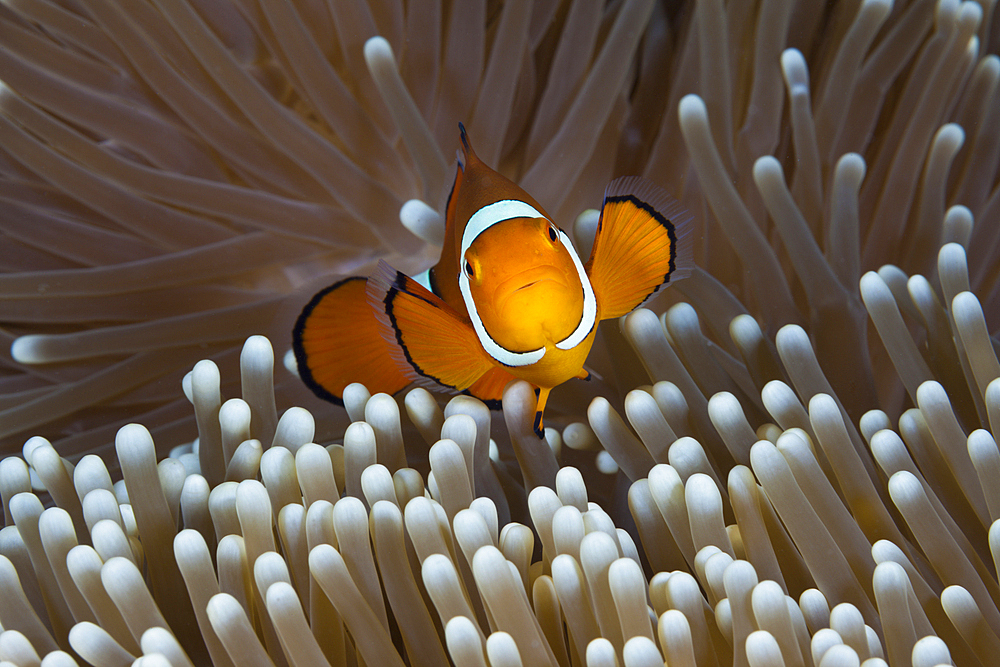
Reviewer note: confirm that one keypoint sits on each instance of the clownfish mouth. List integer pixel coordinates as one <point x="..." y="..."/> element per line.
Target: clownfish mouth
<point x="530" y="278"/>
<point x="535" y="308"/>
<point x="526" y="281"/>
<point x="532" y="287"/>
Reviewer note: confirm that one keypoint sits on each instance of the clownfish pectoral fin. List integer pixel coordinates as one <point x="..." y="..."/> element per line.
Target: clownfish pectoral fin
<point x="337" y="341"/>
<point x="433" y="341"/>
<point x="643" y="242"/>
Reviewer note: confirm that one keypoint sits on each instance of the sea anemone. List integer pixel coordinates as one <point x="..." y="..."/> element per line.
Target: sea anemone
<point x="805" y="471"/>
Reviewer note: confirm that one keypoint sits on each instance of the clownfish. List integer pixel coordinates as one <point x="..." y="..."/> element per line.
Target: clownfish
<point x="509" y="298"/>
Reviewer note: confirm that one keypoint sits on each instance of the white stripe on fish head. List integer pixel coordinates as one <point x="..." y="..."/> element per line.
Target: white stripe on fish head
<point x="483" y="219"/>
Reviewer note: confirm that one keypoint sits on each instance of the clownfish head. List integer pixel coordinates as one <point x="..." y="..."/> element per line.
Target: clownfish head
<point x="524" y="287"/>
<point x="523" y="283"/>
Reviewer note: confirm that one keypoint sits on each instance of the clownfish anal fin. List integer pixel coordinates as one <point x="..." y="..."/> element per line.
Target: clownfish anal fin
<point x="643" y="242"/>
<point x="337" y="341"/>
<point x="542" y="395"/>
<point x="431" y="339"/>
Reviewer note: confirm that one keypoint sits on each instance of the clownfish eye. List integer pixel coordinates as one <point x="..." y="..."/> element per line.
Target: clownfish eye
<point x="553" y="234"/>
<point x="468" y="269"/>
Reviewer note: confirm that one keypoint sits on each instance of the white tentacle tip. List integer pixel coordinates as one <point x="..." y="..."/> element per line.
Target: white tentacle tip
<point x="790" y="335"/>
<point x="425" y="222"/>
<point x="291" y="365"/>
<point x="966" y="304"/>
<point x="971" y="14"/>
<point x="605" y="463"/>
<point x="957" y="227"/>
<point x="133" y="439"/>
<point x="951" y="133"/>
<point x="28" y="349"/>
<point x="871" y="285"/>
<point x="205" y="376"/>
<point x="257" y="352"/>
<point x="794" y="68"/>
<point x="377" y="48"/>
<point x="952" y="259"/>
<point x="853" y="164"/>
<point x="691" y="110"/>
<point x="767" y="171"/>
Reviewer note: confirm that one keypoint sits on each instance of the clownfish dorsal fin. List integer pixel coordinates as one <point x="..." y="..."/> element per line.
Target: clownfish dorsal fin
<point x="482" y="186"/>
<point x="467" y="151"/>
<point x="337" y="341"/>
<point x="432" y="341"/>
<point x="476" y="186"/>
<point x="643" y="242"/>
<point x="449" y="207"/>
<point x="441" y="274"/>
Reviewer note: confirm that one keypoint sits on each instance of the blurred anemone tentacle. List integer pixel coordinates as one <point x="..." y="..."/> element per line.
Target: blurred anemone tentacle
<point x="294" y="134"/>
<point x="290" y="134"/>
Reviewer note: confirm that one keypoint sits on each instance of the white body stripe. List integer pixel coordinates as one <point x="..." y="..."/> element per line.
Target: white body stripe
<point x="482" y="220"/>
<point x="589" y="316"/>
<point x="491" y="214"/>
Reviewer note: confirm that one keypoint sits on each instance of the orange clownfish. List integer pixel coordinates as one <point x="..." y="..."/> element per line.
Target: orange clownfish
<point x="508" y="299"/>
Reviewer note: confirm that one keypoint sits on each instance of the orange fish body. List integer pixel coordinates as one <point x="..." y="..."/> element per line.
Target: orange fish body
<point x="508" y="299"/>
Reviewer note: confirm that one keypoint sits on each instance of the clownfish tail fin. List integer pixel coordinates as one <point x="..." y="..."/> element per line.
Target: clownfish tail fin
<point x="336" y="341"/>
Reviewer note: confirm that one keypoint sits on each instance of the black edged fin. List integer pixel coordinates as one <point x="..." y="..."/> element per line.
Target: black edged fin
<point x="644" y="242"/>
<point x="542" y="396"/>
<point x="432" y="341"/>
<point x="537" y="425"/>
<point x="467" y="151"/>
<point x="464" y="137"/>
<point x="449" y="207"/>
<point x="336" y="341"/>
